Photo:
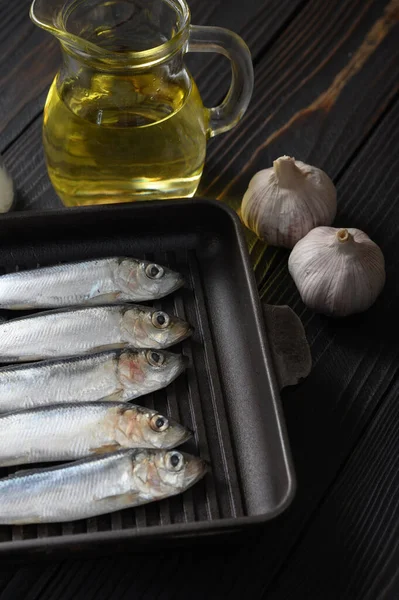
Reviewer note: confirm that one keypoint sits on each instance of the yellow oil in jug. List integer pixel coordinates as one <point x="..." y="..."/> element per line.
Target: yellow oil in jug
<point x="124" y="138"/>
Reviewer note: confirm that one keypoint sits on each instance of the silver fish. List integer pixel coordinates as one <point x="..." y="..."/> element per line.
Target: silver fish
<point x="57" y="333"/>
<point x="118" y="375"/>
<point x="96" y="486"/>
<point x="74" y="431"/>
<point x="95" y="282"/>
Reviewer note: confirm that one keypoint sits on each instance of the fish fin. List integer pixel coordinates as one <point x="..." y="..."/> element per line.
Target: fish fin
<point x="116" y="396"/>
<point x="18" y="306"/>
<point x="104" y="298"/>
<point x="19" y="459"/>
<point x="125" y="499"/>
<point x="107" y="347"/>
<point x="23" y="472"/>
<point x="28" y="521"/>
<point x="106" y="448"/>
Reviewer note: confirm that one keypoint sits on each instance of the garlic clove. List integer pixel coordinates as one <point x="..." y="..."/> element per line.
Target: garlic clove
<point x="283" y="203"/>
<point x="338" y="272"/>
<point x="6" y="189"/>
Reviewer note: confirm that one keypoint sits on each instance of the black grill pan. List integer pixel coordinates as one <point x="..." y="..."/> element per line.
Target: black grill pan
<point x="228" y="396"/>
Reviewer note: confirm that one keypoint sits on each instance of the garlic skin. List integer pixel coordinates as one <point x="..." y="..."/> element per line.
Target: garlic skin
<point x="338" y="272"/>
<point x="283" y="203"/>
<point x="6" y="189"/>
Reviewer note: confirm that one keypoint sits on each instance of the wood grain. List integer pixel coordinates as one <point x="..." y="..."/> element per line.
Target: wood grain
<point x="259" y="25"/>
<point x="350" y="549"/>
<point x="308" y="99"/>
<point x="28" y="61"/>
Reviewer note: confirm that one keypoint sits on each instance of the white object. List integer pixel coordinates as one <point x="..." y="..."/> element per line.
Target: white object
<point x="283" y="203"/>
<point x="338" y="272"/>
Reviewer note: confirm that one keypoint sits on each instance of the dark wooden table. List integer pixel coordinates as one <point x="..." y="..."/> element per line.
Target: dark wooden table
<point x="326" y="92"/>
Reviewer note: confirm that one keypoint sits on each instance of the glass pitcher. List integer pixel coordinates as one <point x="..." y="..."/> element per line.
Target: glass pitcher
<point x="124" y="120"/>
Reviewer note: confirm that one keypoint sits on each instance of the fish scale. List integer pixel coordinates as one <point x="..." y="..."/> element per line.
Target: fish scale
<point x="120" y="375"/>
<point x="58" y="333"/>
<point x="95" y="282"/>
<point x="95" y="486"/>
<point x="72" y="431"/>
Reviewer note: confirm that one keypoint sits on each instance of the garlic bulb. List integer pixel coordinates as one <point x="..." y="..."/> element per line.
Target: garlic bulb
<point x="337" y="271"/>
<point x="6" y="190"/>
<point x="283" y="203"/>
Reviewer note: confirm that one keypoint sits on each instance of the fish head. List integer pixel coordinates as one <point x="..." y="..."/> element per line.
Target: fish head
<point x="146" y="428"/>
<point x="177" y="470"/>
<point x="155" y="329"/>
<point x="147" y="280"/>
<point x="149" y="370"/>
<point x="163" y="473"/>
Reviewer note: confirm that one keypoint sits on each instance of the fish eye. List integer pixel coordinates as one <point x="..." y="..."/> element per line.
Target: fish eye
<point x="160" y="320"/>
<point x="159" y="423"/>
<point x="175" y="461"/>
<point x="156" y="359"/>
<point x="154" y="271"/>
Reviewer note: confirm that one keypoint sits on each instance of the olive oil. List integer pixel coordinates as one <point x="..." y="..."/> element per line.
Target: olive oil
<point x="123" y="138"/>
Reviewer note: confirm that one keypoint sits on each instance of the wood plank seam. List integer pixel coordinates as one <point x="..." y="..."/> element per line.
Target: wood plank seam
<point x="287" y="23"/>
<point x="389" y="106"/>
<point x="31" y="122"/>
<point x="257" y="55"/>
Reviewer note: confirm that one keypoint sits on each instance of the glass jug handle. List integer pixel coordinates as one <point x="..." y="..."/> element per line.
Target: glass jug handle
<point x="216" y="39"/>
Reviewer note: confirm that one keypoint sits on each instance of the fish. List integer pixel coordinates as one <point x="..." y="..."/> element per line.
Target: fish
<point x="96" y="485"/>
<point x="77" y="331"/>
<point x="114" y="375"/>
<point x="71" y="431"/>
<point x="91" y="282"/>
